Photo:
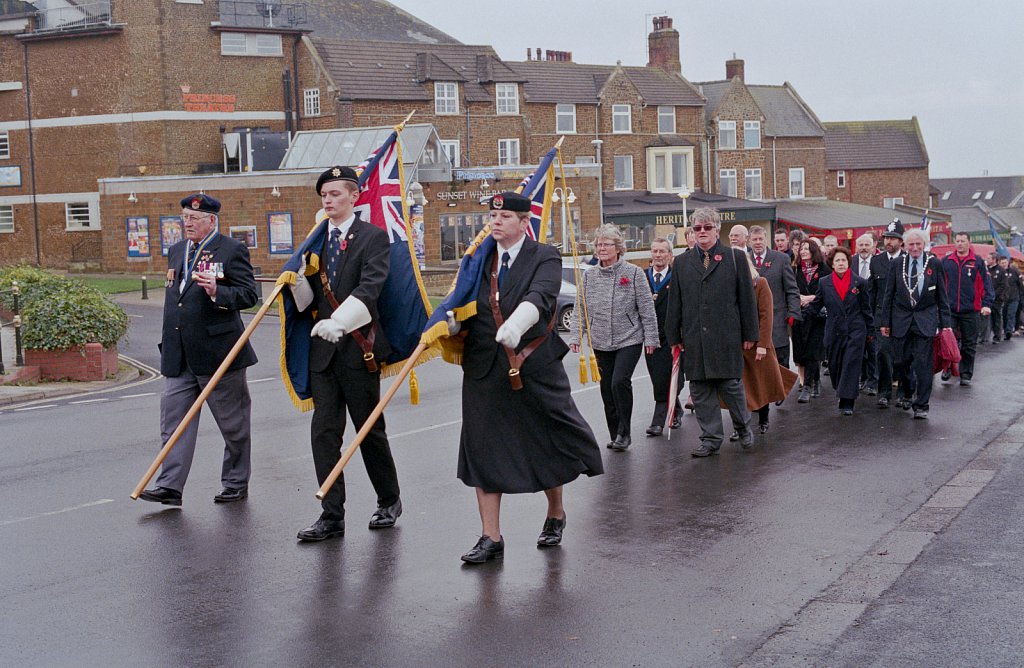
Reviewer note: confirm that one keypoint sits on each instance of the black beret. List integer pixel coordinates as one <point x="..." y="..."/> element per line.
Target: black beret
<point x="337" y="173"/>
<point x="510" y="201"/>
<point x="894" y="230"/>
<point x="201" y="202"/>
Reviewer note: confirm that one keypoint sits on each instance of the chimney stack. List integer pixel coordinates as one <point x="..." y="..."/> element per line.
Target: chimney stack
<point x="734" y="68"/>
<point x="663" y="46"/>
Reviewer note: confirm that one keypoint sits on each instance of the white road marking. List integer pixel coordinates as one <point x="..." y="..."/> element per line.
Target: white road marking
<point x="423" y="429"/>
<point x="261" y="380"/>
<point x="56" y="512"/>
<point x="35" y="408"/>
<point x="88" y="401"/>
<point x="136" y="396"/>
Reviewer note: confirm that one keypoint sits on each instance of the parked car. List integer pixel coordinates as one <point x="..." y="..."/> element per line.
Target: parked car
<point x="565" y="306"/>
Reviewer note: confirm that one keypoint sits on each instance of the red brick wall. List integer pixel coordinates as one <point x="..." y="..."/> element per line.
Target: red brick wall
<point x="872" y="186"/>
<point x="92" y="363"/>
<point x="806" y="152"/>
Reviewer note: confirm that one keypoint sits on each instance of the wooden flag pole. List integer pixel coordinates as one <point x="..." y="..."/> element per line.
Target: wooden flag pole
<point x="198" y="405"/>
<point x="370" y="421"/>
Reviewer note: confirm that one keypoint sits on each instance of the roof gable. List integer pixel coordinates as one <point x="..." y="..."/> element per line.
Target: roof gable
<point x="785" y="113"/>
<point x="1007" y="191"/>
<point x="550" y="81"/>
<point x="875" y="145"/>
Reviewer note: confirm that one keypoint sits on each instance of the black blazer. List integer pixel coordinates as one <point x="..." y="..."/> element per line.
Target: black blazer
<point x="536" y="277"/>
<point x="361" y="274"/>
<point x="879" y="274"/>
<point x="660" y="299"/>
<point x="931" y="311"/>
<point x="198" y="332"/>
<point x="806" y="287"/>
<point x="848" y="318"/>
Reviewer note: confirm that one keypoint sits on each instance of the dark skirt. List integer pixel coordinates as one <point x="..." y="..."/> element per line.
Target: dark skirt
<point x="845" y="357"/>
<point x="524" y="441"/>
<point x="808" y="340"/>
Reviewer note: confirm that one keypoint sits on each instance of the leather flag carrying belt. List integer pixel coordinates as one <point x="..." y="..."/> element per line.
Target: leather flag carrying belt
<point x="364" y="342"/>
<point x="515" y="362"/>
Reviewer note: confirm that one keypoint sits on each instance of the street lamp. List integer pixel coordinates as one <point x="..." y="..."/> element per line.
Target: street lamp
<point x="564" y="195"/>
<point x="600" y="176"/>
<point x="684" y="194"/>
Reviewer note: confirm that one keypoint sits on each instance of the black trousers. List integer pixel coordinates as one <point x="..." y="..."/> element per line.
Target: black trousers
<point x="997" y="321"/>
<point x="965" y="326"/>
<point x="868" y="373"/>
<point x="616" y="368"/>
<point x="334" y="390"/>
<point x="914" y="357"/>
<point x="883" y="364"/>
<point x="659" y="366"/>
<point x="782" y="353"/>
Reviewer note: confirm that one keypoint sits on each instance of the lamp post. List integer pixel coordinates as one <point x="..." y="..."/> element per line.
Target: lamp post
<point x="684" y="195"/>
<point x="565" y="196"/>
<point x="416" y="200"/>
<point x="600" y="179"/>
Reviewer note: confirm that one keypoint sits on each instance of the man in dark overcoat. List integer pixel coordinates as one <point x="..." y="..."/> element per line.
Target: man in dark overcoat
<point x="521" y="430"/>
<point x="915" y="307"/>
<point x="883" y="377"/>
<point x="659" y="362"/>
<point x="346" y="351"/>
<point x="712" y="315"/>
<point x="209" y="280"/>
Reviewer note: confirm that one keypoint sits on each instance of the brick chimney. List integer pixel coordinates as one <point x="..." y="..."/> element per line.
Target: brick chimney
<point x="663" y="46"/>
<point x="734" y="68"/>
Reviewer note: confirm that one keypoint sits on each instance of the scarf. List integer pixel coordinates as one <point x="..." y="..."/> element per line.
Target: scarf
<point x="842" y="283"/>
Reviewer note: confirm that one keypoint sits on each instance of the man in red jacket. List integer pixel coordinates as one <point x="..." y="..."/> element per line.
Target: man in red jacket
<point x="970" y="292"/>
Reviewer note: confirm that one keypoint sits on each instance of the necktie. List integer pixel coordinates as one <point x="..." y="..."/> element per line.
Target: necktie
<point x="864" y="271"/>
<point x="190" y="259"/>
<point x="505" y="257"/>
<point x="707" y="259"/>
<point x="192" y="249"/>
<point x="657" y="278"/>
<point x="760" y="259"/>
<point x="913" y="277"/>
<point x="333" y="254"/>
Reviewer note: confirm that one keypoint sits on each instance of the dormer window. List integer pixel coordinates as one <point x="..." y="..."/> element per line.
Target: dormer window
<point x="446" y="98"/>
<point x="507" y="98"/>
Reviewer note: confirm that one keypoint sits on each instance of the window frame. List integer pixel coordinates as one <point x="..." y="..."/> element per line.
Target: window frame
<point x="455" y="159"/>
<point x="752" y="125"/>
<point x="803" y="182"/>
<point x="4" y="229"/>
<point x="311" y="101"/>
<point x="664" y="112"/>
<point x="891" y="202"/>
<point x="514" y="99"/>
<point x="615" y="168"/>
<point x="722" y="126"/>
<point x="559" y="115"/>
<point x="618" y="111"/>
<point x="725" y="176"/>
<point x="749" y="174"/>
<point x="87" y="226"/>
<point x="668" y="153"/>
<point x="252" y="47"/>
<point x="507" y="162"/>
<point x="453" y="99"/>
<point x="841" y="178"/>
<point x="5" y="145"/>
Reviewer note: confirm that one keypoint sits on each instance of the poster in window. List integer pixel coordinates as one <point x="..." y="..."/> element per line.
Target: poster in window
<point x="244" y="233"/>
<point x="138" y="236"/>
<point x="279" y="231"/>
<point x="10" y="176"/>
<point x="170" y="232"/>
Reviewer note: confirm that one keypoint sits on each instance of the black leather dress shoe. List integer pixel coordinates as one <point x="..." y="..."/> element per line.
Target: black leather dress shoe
<point x="655" y="430"/>
<point x="965" y="382"/>
<point x="703" y="450"/>
<point x="229" y="494"/>
<point x="763" y="427"/>
<point x="747" y="440"/>
<point x="903" y="403"/>
<point x="677" y="421"/>
<point x="386" y="516"/>
<point x="847" y="412"/>
<point x="485" y="550"/>
<point x="805" y="395"/>
<point x="870" y="389"/>
<point x="168" y="497"/>
<point x="920" y="415"/>
<point x="883" y="402"/>
<point x="947" y="373"/>
<point x="621" y="443"/>
<point x="551" y="534"/>
<point x="322" y="529"/>
<point x="735" y="436"/>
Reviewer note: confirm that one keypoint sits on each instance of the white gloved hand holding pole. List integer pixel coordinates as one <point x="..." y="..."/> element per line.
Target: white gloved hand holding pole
<point x="523" y="318"/>
<point x="302" y="291"/>
<point x="350" y="315"/>
<point x="453" y="325"/>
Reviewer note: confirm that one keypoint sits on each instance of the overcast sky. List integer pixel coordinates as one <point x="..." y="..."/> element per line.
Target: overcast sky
<point x="958" y="66"/>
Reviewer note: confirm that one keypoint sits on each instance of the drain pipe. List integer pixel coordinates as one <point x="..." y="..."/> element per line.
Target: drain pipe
<point x="32" y="159"/>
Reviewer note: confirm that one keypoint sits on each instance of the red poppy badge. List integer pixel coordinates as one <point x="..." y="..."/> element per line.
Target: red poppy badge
<point x="718" y="258"/>
<point x="928" y="272"/>
<point x="623" y="281"/>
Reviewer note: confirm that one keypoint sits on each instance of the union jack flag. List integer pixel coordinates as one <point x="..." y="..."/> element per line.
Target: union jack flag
<point x="380" y="191"/>
<point x="535" y="186"/>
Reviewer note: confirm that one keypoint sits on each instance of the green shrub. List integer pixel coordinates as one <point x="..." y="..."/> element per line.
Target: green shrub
<point x="34" y="284"/>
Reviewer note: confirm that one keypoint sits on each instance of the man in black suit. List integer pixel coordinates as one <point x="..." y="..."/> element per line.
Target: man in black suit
<point x="521" y="430"/>
<point x="915" y="307"/>
<point x="884" y="366"/>
<point x="659" y="362"/>
<point x="209" y="280"/>
<point x="860" y="265"/>
<point x="346" y="350"/>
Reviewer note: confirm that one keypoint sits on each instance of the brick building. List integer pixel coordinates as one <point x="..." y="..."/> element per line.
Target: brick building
<point x="878" y="163"/>
<point x="974" y="201"/>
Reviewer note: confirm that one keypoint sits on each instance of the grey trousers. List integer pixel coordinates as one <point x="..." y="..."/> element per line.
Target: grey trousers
<point x="706" y="395"/>
<point x="230" y="404"/>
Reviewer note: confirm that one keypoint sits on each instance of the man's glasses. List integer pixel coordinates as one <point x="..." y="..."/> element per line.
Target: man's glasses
<point x="703" y="228"/>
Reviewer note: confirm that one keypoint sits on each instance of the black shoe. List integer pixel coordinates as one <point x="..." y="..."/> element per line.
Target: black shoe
<point x="229" y="494"/>
<point x="386" y="516"/>
<point x="747" y="440"/>
<point x="903" y="403"/>
<point x="920" y="414"/>
<point x="763" y="427"/>
<point x="485" y="550"/>
<point x="870" y="389"/>
<point x="995" y="342"/>
<point x="1006" y="336"/>
<point x="611" y="444"/>
<point x="965" y="382"/>
<point x="551" y="534"/>
<point x="621" y="443"/>
<point x="703" y="451"/>
<point x="655" y="430"/>
<point x="883" y="402"/>
<point x="779" y="402"/>
<point x="735" y="436"/>
<point x="847" y="412"/>
<point x="824" y="372"/>
<point x="805" y="395"/>
<point x="168" y="497"/>
<point x="816" y="390"/>
<point x="677" y="422"/>
<point x="322" y="529"/>
<point x="947" y="373"/>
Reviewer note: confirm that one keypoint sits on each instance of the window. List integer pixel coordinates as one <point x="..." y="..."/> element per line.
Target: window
<point x="453" y="149"/>
<point x="508" y="151"/>
<point x="250" y="44"/>
<point x="6" y="218"/>
<point x="623" y="172"/>
<point x="666" y="120"/>
<point x="669" y="169"/>
<point x="841" y="178"/>
<point x="726" y="134"/>
<point x="727" y="182"/>
<point x="565" y="118"/>
<point x="506" y="96"/>
<point x="5" y="145"/>
<point x="311" y="101"/>
<point x="989" y="194"/>
<point x="945" y="195"/>
<point x="891" y="202"/>
<point x="796" y="183"/>
<point x="752" y="183"/>
<point x="976" y="195"/>
<point x="585" y="160"/>
<point x="78" y="216"/>
<point x="751" y="134"/>
<point x="446" y="98"/>
<point x="622" y="122"/>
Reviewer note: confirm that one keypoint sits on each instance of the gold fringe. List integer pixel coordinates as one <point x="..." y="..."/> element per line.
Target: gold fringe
<point x="583" y="370"/>
<point x="414" y="388"/>
<point x="594" y="373"/>
<point x="303" y="405"/>
<point x="392" y="369"/>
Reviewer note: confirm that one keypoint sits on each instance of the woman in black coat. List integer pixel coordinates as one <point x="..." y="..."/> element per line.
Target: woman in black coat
<point x="809" y="332"/>
<point x="844" y="296"/>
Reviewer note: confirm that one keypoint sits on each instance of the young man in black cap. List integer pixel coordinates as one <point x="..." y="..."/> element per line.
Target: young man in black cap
<point x="892" y="239"/>
<point x="346" y="351"/>
<point x="209" y="280"/>
<point x="521" y="430"/>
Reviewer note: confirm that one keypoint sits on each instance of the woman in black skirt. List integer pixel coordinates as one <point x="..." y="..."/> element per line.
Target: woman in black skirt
<point x="809" y="332"/>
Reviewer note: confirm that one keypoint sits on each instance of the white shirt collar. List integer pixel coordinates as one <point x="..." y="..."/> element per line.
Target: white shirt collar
<point x="343" y="227"/>
<point x="512" y="252"/>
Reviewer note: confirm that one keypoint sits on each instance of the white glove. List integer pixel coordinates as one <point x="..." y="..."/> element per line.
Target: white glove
<point x="302" y="291"/>
<point x="453" y="325"/>
<point x="328" y="330"/>
<point x="523" y="318"/>
<point x="350" y="315"/>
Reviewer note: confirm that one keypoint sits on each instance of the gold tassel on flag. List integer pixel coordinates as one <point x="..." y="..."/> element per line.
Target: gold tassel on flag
<point x="414" y="389"/>
<point x="594" y="373"/>
<point x="583" y="370"/>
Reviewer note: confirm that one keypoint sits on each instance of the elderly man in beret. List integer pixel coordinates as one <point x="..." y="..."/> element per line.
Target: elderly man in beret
<point x="209" y="280"/>
<point x="346" y="350"/>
